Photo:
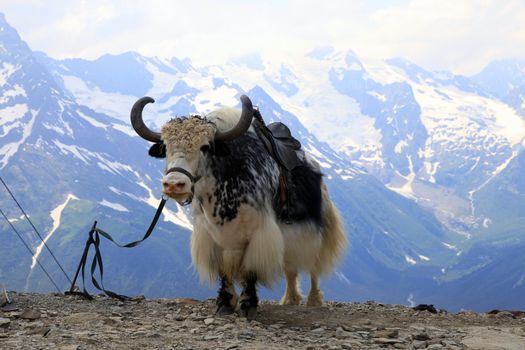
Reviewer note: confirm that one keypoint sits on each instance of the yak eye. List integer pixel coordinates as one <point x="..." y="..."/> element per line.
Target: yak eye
<point x="205" y="148"/>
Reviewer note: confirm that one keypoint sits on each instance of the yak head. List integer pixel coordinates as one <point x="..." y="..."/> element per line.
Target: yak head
<point x="184" y="142"/>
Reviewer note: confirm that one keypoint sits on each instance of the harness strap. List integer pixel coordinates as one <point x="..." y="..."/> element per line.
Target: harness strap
<point x="176" y="169"/>
<point x="94" y="239"/>
<point x="192" y="178"/>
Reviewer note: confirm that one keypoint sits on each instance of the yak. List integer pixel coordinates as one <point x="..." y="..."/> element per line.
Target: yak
<point x="219" y="165"/>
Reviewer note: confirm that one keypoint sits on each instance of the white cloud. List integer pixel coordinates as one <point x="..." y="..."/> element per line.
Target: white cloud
<point x="458" y="35"/>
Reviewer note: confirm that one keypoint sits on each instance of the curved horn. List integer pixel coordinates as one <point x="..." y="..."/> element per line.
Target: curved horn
<point x="242" y="126"/>
<point x="138" y="123"/>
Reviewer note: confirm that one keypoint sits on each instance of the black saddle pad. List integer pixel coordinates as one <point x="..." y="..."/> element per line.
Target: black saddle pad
<point x="287" y="148"/>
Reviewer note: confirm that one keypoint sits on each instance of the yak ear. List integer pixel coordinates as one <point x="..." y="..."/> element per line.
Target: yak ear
<point x="158" y="150"/>
<point x="220" y="149"/>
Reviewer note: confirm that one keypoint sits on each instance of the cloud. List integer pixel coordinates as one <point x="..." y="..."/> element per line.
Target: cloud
<point x="457" y="35"/>
<point x="460" y="35"/>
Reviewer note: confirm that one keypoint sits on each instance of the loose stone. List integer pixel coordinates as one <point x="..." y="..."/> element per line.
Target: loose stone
<point x="4" y="322"/>
<point x="30" y="315"/>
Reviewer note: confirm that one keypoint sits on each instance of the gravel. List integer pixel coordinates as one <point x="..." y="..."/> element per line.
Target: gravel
<point x="53" y="321"/>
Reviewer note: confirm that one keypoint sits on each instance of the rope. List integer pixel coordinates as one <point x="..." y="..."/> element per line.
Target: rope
<point x="30" y="251"/>
<point x="94" y="239"/>
<point x="34" y="228"/>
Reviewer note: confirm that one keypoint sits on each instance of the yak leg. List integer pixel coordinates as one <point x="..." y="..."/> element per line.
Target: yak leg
<point x="292" y="294"/>
<point x="249" y="299"/>
<point x="315" y="297"/>
<point x="227" y="298"/>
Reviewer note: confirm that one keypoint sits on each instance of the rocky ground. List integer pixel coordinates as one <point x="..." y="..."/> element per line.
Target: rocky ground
<point x="36" y="321"/>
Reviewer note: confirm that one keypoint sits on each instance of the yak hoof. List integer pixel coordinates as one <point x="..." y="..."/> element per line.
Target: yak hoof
<point x="248" y="311"/>
<point x="224" y="310"/>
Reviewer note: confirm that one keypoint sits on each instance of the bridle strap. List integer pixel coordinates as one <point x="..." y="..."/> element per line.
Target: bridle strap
<point x="176" y="169"/>
<point x="192" y="178"/>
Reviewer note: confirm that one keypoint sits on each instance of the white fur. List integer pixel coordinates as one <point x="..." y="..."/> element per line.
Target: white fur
<point x="302" y="243"/>
<point x="252" y="242"/>
<point x="225" y="118"/>
<point x="264" y="254"/>
<point x="292" y="293"/>
<point x="206" y="255"/>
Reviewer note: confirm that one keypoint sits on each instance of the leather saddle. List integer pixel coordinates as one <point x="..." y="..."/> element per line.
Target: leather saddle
<point x="287" y="148"/>
<point x="278" y="140"/>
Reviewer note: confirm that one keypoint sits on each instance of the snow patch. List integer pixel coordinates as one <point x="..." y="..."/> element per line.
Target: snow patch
<point x="16" y="91"/>
<point x="92" y="121"/>
<point x="85" y="156"/>
<point x="431" y="170"/>
<point x="211" y="99"/>
<point x="56" y="215"/>
<point x="411" y="300"/>
<point x="377" y="95"/>
<point x="455" y="117"/>
<point x="410" y="260"/>
<point x="6" y="70"/>
<point x="319" y="157"/>
<point x="12" y="113"/>
<point x="449" y="246"/>
<point x="125" y="129"/>
<point x="114" y="206"/>
<point x="423" y="258"/>
<point x="519" y="282"/>
<point x="498" y="170"/>
<point x="8" y="150"/>
<point x="406" y="190"/>
<point x="162" y="81"/>
<point x="55" y="128"/>
<point x="382" y="73"/>
<point x="332" y="117"/>
<point x="74" y="150"/>
<point x="400" y="145"/>
<point x="343" y="277"/>
<point x="112" y="104"/>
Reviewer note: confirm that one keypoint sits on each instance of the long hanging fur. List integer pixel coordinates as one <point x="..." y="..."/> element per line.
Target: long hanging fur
<point x="334" y="241"/>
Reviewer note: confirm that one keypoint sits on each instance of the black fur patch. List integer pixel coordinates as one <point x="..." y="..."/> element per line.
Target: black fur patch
<point x="220" y="149"/>
<point x="224" y="298"/>
<point x="244" y="173"/>
<point x="304" y="200"/>
<point x="249" y="293"/>
<point x="158" y="150"/>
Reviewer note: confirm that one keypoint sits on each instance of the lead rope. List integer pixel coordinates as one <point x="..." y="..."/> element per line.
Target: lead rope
<point x="94" y="239"/>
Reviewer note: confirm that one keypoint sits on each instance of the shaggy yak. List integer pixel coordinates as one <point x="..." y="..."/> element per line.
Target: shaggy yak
<point x="221" y="166"/>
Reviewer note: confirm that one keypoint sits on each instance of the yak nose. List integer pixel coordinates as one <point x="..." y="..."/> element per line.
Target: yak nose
<point x="173" y="187"/>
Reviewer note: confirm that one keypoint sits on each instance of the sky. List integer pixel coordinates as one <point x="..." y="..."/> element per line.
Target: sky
<point x="461" y="36"/>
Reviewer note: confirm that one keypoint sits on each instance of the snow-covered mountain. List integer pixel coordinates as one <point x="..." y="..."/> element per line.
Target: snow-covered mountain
<point x="505" y="79"/>
<point x="69" y="165"/>
<point x="431" y="140"/>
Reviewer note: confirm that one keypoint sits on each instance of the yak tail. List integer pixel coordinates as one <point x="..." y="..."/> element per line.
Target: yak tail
<point x="334" y="241"/>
